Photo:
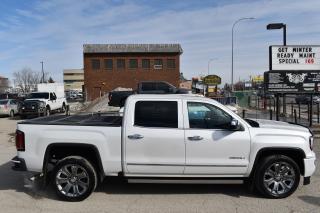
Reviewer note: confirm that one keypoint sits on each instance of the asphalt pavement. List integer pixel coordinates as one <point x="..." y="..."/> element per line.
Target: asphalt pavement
<point x="17" y="194"/>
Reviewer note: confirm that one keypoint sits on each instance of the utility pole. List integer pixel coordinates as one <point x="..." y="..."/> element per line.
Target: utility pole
<point x="42" y="80"/>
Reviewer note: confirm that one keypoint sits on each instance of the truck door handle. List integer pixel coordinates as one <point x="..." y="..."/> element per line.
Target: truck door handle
<point x="135" y="136"/>
<point x="195" y="138"/>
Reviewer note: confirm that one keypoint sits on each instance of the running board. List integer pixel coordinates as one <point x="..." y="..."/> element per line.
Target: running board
<point x="176" y="181"/>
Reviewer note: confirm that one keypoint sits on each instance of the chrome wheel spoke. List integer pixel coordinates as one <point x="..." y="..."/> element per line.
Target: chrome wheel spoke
<point x="61" y="180"/>
<point x="275" y="187"/>
<point x="83" y="185"/>
<point x="74" y="169"/>
<point x="76" y="190"/>
<point x="65" y="171"/>
<point x="67" y="188"/>
<point x="82" y="175"/>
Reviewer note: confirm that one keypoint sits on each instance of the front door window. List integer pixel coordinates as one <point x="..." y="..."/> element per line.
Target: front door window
<point x="207" y="116"/>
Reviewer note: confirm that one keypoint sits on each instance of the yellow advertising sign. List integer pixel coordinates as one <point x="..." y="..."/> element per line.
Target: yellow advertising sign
<point x="212" y="80"/>
<point x="257" y="79"/>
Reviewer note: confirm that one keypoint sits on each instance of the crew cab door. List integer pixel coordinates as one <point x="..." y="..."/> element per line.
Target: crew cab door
<point x="154" y="137"/>
<point x="54" y="103"/>
<point x="212" y="148"/>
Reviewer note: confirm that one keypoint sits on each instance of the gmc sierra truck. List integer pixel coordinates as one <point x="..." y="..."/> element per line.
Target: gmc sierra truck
<point x="165" y="139"/>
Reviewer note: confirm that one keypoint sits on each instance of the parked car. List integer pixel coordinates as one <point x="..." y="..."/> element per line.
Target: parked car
<point x="118" y="98"/>
<point x="9" y="96"/>
<point x="305" y="99"/>
<point x="8" y="107"/>
<point x="163" y="139"/>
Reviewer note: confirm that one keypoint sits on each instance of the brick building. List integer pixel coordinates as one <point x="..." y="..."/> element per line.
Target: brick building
<point x="108" y="66"/>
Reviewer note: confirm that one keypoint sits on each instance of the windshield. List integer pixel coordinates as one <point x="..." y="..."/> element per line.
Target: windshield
<point x="38" y="95"/>
<point x="3" y="102"/>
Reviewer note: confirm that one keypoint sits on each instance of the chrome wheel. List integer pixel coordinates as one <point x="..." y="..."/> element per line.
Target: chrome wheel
<point x="279" y="178"/>
<point x="72" y="180"/>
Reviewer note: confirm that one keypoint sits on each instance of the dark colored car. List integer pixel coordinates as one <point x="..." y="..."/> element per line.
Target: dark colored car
<point x="118" y="98"/>
<point x="305" y="99"/>
<point x="9" y="96"/>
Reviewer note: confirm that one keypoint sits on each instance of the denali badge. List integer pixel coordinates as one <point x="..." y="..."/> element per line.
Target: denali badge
<point x="242" y="158"/>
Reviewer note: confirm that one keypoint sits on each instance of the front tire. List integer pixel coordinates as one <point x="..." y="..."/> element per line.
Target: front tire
<point x="48" y="111"/>
<point x="74" y="178"/>
<point x="277" y="176"/>
<point x="11" y="114"/>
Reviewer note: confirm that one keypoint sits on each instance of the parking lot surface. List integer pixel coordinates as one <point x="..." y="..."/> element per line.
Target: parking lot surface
<point x="17" y="194"/>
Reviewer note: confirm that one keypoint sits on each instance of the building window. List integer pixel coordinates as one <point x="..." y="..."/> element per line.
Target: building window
<point x="146" y="63"/>
<point x="171" y="63"/>
<point x="156" y="114"/>
<point x="133" y="63"/>
<point x="121" y="64"/>
<point x="108" y="64"/>
<point x="95" y="64"/>
<point x="158" y="63"/>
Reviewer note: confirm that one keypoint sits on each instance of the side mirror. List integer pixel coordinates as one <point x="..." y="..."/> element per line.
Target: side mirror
<point x="234" y="124"/>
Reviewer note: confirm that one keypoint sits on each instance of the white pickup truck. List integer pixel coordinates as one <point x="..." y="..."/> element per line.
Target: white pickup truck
<point x="165" y="139"/>
<point x="49" y="97"/>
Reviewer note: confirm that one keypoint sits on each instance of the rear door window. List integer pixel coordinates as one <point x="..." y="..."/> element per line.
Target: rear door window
<point x="156" y="114"/>
<point x="3" y="102"/>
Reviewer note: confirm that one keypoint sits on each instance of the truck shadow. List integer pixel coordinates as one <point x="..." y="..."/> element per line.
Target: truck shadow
<point x="311" y="199"/>
<point x="19" y="181"/>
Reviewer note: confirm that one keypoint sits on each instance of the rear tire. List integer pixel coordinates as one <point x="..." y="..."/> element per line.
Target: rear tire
<point x="277" y="176"/>
<point x="63" y="108"/>
<point x="74" y="178"/>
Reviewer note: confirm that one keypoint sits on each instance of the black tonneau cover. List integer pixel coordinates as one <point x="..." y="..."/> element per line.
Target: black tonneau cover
<point x="85" y="119"/>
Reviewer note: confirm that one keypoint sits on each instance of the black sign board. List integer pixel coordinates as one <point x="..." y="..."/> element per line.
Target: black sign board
<point x="292" y="81"/>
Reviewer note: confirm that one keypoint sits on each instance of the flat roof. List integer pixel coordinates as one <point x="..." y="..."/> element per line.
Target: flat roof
<point x="132" y="48"/>
<point x="73" y="71"/>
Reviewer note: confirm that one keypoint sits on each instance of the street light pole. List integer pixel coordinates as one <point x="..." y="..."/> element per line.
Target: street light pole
<point x="234" y="24"/>
<point x="212" y="59"/>
<point x="42" y="81"/>
<point x="277" y="26"/>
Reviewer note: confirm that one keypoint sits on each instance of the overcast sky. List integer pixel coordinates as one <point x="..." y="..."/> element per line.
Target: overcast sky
<point x="54" y="31"/>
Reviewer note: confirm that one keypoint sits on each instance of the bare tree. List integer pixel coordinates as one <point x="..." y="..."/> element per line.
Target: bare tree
<point x="26" y="79"/>
<point x="4" y="84"/>
<point x="50" y="80"/>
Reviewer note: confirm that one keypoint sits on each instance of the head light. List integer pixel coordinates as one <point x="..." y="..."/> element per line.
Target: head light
<point x="42" y="104"/>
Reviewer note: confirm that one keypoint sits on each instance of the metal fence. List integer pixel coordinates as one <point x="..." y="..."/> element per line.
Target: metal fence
<point x="265" y="108"/>
<point x="226" y="100"/>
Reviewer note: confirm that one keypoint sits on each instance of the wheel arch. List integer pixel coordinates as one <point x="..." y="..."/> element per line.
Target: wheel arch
<point x="297" y="154"/>
<point x="58" y="151"/>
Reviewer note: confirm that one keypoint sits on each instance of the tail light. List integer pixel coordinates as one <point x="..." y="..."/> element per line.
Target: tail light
<point x="5" y="106"/>
<point x="311" y="142"/>
<point x="110" y="96"/>
<point x="20" y="143"/>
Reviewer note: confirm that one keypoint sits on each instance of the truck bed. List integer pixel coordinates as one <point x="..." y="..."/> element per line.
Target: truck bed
<point x="86" y="119"/>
